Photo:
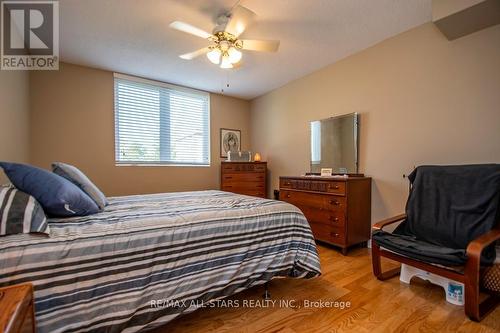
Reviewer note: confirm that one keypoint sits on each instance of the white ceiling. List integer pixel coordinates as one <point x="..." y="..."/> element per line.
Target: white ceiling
<point x="133" y="37"/>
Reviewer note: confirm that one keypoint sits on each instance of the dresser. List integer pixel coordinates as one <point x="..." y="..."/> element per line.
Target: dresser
<point x="16" y="309"/>
<point x="337" y="209"/>
<point x="244" y="178"/>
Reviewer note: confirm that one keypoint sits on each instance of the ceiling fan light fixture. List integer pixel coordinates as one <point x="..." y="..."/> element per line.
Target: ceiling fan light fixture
<point x="224" y="45"/>
<point x="225" y="48"/>
<point x="214" y="56"/>
<point x="226" y="62"/>
<point x="234" y="55"/>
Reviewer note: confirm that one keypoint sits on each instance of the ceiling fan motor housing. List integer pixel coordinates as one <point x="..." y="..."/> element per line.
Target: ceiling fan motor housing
<point x="221" y="23"/>
<point x="224" y="40"/>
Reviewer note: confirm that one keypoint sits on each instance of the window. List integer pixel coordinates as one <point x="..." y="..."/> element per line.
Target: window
<point x="160" y="124"/>
<point x="316" y="142"/>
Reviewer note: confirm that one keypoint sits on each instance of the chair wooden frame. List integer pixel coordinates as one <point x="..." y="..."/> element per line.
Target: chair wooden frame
<point x="470" y="277"/>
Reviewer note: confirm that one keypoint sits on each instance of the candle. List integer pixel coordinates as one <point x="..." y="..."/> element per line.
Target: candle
<point x="256" y="158"/>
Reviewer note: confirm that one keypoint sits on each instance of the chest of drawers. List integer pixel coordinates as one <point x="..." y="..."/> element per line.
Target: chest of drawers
<point x="247" y="178"/>
<point x="337" y="209"/>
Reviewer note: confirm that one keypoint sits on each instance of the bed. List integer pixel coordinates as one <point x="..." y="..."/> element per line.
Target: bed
<point x="147" y="259"/>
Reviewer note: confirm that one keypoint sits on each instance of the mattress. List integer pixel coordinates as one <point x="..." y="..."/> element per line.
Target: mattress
<point x="110" y="271"/>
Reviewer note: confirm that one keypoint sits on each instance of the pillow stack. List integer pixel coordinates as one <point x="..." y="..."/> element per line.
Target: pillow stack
<point x="66" y="192"/>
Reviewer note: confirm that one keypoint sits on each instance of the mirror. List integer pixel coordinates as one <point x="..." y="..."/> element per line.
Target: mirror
<point x="334" y="144"/>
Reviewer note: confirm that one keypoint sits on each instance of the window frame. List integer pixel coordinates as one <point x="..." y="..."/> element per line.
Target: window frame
<point x="168" y="86"/>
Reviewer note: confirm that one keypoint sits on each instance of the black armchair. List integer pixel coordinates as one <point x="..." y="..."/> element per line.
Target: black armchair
<point x="451" y="223"/>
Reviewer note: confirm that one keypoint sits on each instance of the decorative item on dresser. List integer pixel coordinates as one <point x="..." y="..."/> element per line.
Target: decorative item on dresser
<point x="338" y="208"/>
<point x="16" y="309"/>
<point x="244" y="178"/>
<point x="239" y="156"/>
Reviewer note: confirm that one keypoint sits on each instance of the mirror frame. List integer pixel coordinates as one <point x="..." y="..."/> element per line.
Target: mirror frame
<point x="356" y="139"/>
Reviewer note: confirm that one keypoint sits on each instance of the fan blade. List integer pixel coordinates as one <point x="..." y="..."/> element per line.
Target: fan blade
<point x="240" y="18"/>
<point x="261" y="45"/>
<point x="188" y="28"/>
<point x="192" y="55"/>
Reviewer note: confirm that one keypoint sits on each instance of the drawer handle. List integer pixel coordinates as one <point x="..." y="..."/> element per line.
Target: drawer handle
<point x="288" y="196"/>
<point x="334" y="234"/>
<point x="335" y="202"/>
<point x="335" y="187"/>
<point x="287" y="183"/>
<point x="334" y="219"/>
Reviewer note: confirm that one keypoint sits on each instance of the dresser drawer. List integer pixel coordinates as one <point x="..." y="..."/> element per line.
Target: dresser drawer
<point x="242" y="167"/>
<point x="313" y="185"/>
<point x="329" y="234"/>
<point x="230" y="178"/>
<point x="331" y="218"/>
<point x="243" y="186"/>
<point x="312" y="200"/>
<point x="336" y="188"/>
<point x="285" y="183"/>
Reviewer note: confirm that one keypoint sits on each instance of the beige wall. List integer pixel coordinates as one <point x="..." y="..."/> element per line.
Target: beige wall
<point x="72" y="120"/>
<point x="421" y="99"/>
<point x="443" y="8"/>
<point x="14" y="117"/>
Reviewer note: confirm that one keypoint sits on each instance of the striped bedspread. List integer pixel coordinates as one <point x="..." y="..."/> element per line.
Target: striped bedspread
<point x="108" y="272"/>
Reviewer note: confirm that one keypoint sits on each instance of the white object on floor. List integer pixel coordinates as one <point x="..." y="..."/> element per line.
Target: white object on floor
<point x="454" y="290"/>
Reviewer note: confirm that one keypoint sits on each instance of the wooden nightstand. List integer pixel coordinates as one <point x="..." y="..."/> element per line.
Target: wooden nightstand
<point x="17" y="313"/>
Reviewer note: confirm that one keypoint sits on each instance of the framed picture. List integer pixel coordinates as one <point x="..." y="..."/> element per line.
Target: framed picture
<point x="230" y="140"/>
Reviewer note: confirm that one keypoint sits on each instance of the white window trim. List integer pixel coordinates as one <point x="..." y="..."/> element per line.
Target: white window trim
<point x="170" y="86"/>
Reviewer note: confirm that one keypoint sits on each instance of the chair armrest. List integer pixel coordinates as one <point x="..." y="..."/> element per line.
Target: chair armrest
<point x="383" y="223"/>
<point x="472" y="273"/>
<point x="475" y="247"/>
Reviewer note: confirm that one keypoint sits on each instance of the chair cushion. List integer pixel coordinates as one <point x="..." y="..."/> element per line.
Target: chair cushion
<point x="77" y="177"/>
<point x="449" y="206"/>
<point x="58" y="196"/>
<point x="411" y="247"/>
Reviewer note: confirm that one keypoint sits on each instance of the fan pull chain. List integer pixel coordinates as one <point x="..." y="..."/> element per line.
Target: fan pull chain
<point x="227" y="84"/>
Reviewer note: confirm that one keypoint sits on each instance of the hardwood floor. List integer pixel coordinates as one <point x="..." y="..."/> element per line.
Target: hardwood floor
<point x="376" y="306"/>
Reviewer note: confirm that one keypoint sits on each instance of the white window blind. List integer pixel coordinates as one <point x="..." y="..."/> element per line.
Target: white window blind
<point x="156" y="123"/>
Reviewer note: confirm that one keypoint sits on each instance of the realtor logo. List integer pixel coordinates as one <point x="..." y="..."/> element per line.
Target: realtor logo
<point x="30" y="35"/>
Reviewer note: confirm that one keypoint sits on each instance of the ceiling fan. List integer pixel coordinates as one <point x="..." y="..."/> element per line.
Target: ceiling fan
<point x="225" y="47"/>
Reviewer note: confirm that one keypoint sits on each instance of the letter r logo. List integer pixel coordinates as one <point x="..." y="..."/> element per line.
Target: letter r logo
<point x="27" y="27"/>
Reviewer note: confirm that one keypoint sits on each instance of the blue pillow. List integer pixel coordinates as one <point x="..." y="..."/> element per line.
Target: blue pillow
<point x="58" y="196"/>
<point x="74" y="175"/>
